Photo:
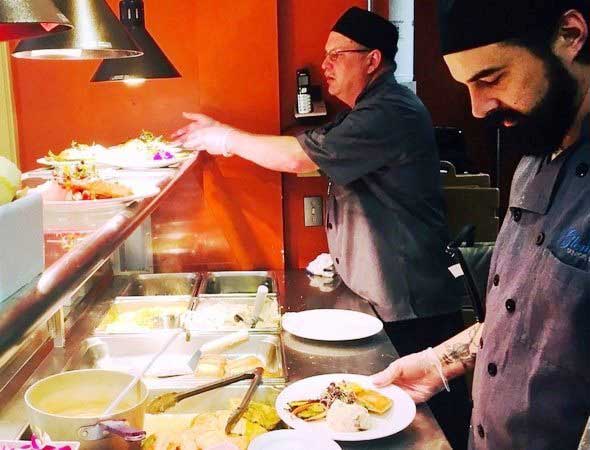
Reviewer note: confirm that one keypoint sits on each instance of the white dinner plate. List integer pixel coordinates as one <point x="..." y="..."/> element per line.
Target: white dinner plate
<point x="331" y="324"/>
<point x="132" y="163"/>
<point x="292" y="440"/>
<point x="400" y="415"/>
<point x="53" y="163"/>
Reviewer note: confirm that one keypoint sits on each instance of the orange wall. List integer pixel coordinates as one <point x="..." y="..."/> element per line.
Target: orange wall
<point x="56" y="103"/>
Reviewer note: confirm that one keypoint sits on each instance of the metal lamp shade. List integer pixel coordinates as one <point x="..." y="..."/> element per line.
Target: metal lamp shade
<point x="21" y="19"/>
<point x="152" y="64"/>
<point x="98" y="34"/>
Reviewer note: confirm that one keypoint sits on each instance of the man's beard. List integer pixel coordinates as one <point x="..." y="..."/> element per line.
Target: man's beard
<point x="541" y="131"/>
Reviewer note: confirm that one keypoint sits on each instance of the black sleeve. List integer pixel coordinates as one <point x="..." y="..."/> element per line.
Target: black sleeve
<point x="367" y="139"/>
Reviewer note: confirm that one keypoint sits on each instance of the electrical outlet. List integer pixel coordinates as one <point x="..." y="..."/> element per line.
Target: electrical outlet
<point x="313" y="208"/>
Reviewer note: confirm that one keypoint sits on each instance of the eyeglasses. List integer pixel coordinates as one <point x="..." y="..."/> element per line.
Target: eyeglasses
<point x="333" y="55"/>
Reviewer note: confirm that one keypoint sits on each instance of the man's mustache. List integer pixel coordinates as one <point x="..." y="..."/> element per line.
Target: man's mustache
<point x="497" y="117"/>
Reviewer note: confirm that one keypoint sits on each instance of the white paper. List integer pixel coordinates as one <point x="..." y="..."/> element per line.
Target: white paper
<point x="456" y="270"/>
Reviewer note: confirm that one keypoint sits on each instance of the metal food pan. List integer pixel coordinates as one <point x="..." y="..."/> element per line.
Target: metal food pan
<point x="213" y="314"/>
<point x="218" y="399"/>
<point x="157" y="284"/>
<point x="143" y="314"/>
<point x="130" y="353"/>
<point x="236" y="284"/>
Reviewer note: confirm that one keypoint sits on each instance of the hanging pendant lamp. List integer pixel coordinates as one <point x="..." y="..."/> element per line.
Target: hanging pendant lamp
<point x="21" y="19"/>
<point x="152" y="64"/>
<point x="97" y="35"/>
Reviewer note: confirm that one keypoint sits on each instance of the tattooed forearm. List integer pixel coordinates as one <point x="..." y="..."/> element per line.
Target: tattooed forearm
<point x="462" y="350"/>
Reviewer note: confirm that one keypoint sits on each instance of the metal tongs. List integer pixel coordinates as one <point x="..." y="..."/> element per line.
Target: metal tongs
<point x="166" y="401"/>
<point x="467" y="235"/>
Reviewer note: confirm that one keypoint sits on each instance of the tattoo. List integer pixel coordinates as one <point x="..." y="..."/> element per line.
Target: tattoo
<point x="463" y="352"/>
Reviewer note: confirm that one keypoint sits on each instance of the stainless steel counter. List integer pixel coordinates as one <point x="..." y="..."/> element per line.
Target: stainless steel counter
<point x="297" y="291"/>
<point x="305" y="358"/>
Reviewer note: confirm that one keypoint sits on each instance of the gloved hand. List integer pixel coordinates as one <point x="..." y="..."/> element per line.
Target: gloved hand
<point x="213" y="139"/>
<point x="419" y="374"/>
<point x="197" y="121"/>
<point x="203" y="133"/>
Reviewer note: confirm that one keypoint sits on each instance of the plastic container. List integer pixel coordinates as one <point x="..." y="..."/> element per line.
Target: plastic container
<point x="21" y="242"/>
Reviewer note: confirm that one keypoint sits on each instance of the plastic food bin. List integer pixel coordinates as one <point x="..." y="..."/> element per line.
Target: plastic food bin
<point x="21" y="242"/>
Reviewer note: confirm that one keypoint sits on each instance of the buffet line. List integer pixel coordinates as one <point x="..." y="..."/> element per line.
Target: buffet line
<point x="181" y="360"/>
<point x="290" y="377"/>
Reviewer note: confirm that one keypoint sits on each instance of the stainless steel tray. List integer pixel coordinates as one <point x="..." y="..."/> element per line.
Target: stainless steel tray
<point x="162" y="284"/>
<point x="218" y="399"/>
<point x="213" y="314"/>
<point x="140" y="314"/>
<point x="130" y="353"/>
<point x="236" y="284"/>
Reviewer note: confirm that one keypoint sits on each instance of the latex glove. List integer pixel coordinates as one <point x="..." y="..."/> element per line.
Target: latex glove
<point x="417" y="374"/>
<point x="198" y="121"/>
<point x="213" y="139"/>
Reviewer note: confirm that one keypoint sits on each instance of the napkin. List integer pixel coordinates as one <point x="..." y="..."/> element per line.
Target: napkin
<point x="322" y="266"/>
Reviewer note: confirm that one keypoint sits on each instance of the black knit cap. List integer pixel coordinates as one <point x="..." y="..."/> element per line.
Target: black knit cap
<point x="369" y="29"/>
<point x="467" y="24"/>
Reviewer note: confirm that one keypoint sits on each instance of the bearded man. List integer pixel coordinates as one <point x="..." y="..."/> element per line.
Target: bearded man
<point x="526" y="65"/>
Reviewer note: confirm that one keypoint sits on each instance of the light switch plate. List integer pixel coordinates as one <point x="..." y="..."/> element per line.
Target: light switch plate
<point x="313" y="208"/>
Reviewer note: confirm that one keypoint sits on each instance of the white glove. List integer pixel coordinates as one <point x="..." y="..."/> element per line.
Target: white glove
<point x="204" y="133"/>
<point x="322" y="265"/>
<point x="419" y="374"/>
<point x="214" y="140"/>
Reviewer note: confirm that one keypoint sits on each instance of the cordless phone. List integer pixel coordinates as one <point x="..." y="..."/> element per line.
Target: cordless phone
<point x="304" y="104"/>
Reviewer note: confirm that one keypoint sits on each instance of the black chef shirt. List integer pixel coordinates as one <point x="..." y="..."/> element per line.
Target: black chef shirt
<point x="532" y="376"/>
<point x="386" y="223"/>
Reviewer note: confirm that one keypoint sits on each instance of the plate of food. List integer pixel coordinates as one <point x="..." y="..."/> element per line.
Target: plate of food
<point x="75" y="153"/>
<point x="345" y="407"/>
<point x="94" y="193"/>
<point x="81" y="184"/>
<point x="145" y="152"/>
<point x="331" y="324"/>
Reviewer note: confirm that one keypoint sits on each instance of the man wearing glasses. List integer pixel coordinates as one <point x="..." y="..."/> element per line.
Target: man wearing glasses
<point x="386" y="222"/>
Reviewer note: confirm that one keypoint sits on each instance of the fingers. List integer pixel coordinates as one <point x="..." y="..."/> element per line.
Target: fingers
<point x="194" y="116"/>
<point x="181" y="131"/>
<point x="193" y="144"/>
<point x="387" y="376"/>
<point x="199" y="119"/>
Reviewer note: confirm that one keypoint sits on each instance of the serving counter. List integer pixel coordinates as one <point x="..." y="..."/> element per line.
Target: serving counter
<point x="44" y="326"/>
